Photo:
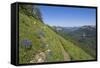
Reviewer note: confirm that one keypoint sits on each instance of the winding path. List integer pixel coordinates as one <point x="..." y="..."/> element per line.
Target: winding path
<point x="65" y="54"/>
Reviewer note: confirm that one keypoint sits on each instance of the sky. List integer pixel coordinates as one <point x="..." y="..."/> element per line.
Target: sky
<point x="68" y="16"/>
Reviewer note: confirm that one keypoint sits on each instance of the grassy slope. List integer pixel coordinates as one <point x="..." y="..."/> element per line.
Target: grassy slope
<point x="75" y="52"/>
<point x="28" y="29"/>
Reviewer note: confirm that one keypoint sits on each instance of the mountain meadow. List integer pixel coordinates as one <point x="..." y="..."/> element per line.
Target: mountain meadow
<point x="39" y="42"/>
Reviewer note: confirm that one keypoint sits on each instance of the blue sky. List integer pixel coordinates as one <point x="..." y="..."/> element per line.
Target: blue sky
<point x="68" y="16"/>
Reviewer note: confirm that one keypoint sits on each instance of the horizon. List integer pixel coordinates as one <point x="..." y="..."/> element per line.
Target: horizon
<point x="71" y="26"/>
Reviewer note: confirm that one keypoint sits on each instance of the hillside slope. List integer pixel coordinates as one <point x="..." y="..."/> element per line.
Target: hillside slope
<point x="39" y="43"/>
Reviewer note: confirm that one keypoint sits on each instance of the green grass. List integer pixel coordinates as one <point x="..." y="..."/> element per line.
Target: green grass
<point x="29" y="30"/>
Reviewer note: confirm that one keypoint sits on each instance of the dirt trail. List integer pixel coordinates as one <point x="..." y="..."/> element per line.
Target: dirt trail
<point x="40" y="57"/>
<point x="66" y="55"/>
